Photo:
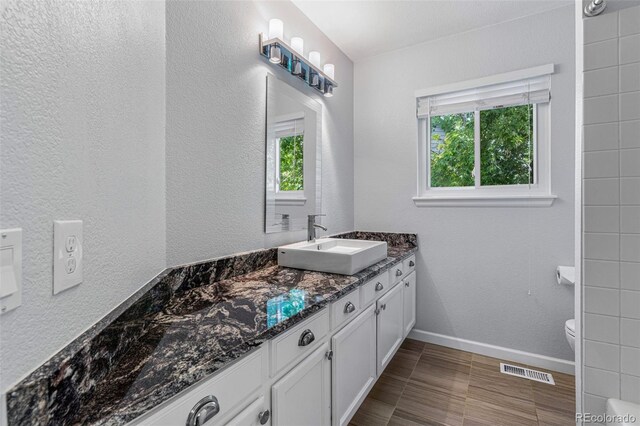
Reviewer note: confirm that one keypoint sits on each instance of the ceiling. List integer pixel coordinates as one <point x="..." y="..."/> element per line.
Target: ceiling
<point x="366" y="28"/>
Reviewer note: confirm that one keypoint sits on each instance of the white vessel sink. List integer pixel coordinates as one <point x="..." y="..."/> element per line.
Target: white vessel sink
<point x="334" y="255"/>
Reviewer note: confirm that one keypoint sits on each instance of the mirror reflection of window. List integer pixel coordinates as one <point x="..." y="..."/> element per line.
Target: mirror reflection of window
<point x="290" y="155"/>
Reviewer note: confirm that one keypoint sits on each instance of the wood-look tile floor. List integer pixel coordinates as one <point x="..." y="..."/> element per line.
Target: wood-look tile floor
<point x="426" y="384"/>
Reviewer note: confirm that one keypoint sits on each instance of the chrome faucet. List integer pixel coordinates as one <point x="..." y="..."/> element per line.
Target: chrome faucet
<point x="312" y="225"/>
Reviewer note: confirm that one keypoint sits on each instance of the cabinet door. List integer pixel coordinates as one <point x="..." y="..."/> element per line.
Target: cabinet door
<point x="390" y="325"/>
<point x="409" y="293"/>
<point x="303" y="396"/>
<point x="353" y="366"/>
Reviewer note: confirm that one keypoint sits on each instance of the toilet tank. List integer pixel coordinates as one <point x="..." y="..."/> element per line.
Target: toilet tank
<point x="622" y="413"/>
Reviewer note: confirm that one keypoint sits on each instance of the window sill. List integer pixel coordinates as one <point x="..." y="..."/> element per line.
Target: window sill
<point x="485" y="200"/>
<point x="290" y="201"/>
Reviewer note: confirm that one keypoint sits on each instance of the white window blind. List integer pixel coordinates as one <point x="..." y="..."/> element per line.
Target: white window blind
<point x="529" y="91"/>
<point x="289" y="127"/>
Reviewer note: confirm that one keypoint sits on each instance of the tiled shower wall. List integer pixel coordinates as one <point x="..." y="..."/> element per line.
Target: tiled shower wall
<point x="611" y="208"/>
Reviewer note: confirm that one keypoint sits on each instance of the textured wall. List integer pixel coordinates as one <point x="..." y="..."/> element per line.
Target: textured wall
<point x="475" y="265"/>
<point x="611" y="207"/>
<point x="82" y="112"/>
<point x="216" y="127"/>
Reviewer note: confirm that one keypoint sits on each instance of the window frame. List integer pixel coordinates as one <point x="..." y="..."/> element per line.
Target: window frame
<point x="288" y="198"/>
<point x="537" y="194"/>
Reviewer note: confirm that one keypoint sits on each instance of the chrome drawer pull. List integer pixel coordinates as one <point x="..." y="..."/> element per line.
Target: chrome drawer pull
<point x="306" y="338"/>
<point x="407" y="284"/>
<point x="412" y="263"/>
<point x="203" y="411"/>
<point x="379" y="286"/>
<point x="349" y="307"/>
<point x="263" y="417"/>
<point x="398" y="272"/>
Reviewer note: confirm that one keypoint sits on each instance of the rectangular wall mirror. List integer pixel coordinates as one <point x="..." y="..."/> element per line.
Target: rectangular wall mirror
<point x="293" y="157"/>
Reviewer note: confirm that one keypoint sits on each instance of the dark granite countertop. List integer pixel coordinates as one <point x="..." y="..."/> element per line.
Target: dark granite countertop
<point x="188" y="323"/>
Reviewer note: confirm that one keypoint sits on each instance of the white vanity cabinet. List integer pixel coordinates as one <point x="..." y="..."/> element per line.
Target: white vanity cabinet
<point x="316" y="373"/>
<point x="409" y="302"/>
<point x="389" y="327"/>
<point x="229" y="392"/>
<point x="303" y="395"/>
<point x="353" y="370"/>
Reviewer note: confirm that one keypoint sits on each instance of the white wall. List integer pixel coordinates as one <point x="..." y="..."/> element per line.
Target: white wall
<point x="82" y="112"/>
<point x="475" y="265"/>
<point x="611" y="207"/>
<point x="216" y="98"/>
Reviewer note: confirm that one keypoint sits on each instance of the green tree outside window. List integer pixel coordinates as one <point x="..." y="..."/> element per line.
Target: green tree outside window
<point x="291" y="163"/>
<point x="506" y="147"/>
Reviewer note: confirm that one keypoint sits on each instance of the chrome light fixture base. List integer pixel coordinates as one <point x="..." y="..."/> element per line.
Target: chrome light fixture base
<point x="277" y="52"/>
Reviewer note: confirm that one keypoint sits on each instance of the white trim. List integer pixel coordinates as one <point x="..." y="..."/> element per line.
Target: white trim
<point x="578" y="289"/>
<point x="485" y="200"/>
<point x="487" y="81"/>
<point x="476" y="149"/>
<point x="284" y="201"/>
<point x="514" y="355"/>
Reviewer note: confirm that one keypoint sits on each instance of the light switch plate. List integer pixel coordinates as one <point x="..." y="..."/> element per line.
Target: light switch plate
<point x="10" y="269"/>
<point x="67" y="254"/>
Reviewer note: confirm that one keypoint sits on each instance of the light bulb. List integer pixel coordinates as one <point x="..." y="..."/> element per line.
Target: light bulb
<point x="275" y="54"/>
<point x="314" y="58"/>
<point x="314" y="80"/>
<point x="296" y="67"/>
<point x="328" y="91"/>
<point x="276" y="29"/>
<point x="297" y="44"/>
<point x="330" y="70"/>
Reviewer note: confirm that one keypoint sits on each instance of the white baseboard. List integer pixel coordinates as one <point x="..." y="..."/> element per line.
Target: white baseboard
<point x="540" y="361"/>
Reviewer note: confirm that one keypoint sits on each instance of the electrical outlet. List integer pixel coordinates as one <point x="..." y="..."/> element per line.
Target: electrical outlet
<point x="67" y="254"/>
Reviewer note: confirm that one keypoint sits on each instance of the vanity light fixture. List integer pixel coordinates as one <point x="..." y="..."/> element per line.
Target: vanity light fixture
<point x="291" y="57"/>
<point x="276" y="30"/>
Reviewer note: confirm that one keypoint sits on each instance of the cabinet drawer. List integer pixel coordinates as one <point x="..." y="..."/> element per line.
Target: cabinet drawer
<point x="396" y="273"/>
<point x="231" y="387"/>
<point x="374" y="289"/>
<point x="252" y="415"/>
<point x="409" y="264"/>
<point x="288" y="348"/>
<point x="345" y="308"/>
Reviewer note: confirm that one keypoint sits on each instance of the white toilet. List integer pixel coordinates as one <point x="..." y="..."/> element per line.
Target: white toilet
<point x="570" y="332"/>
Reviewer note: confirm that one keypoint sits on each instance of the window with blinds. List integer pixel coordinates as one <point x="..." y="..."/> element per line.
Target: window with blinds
<point x="485" y="138"/>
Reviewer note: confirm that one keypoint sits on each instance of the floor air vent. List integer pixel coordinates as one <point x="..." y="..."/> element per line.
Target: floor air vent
<point x="526" y="373"/>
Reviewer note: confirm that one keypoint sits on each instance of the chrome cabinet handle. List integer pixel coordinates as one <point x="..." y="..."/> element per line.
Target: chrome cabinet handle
<point x="407" y="284"/>
<point x="412" y="263"/>
<point x="349" y="307"/>
<point x="383" y="306"/>
<point x="379" y="286"/>
<point x="263" y="417"/>
<point x="306" y="338"/>
<point x="203" y="411"/>
<point x="398" y="272"/>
